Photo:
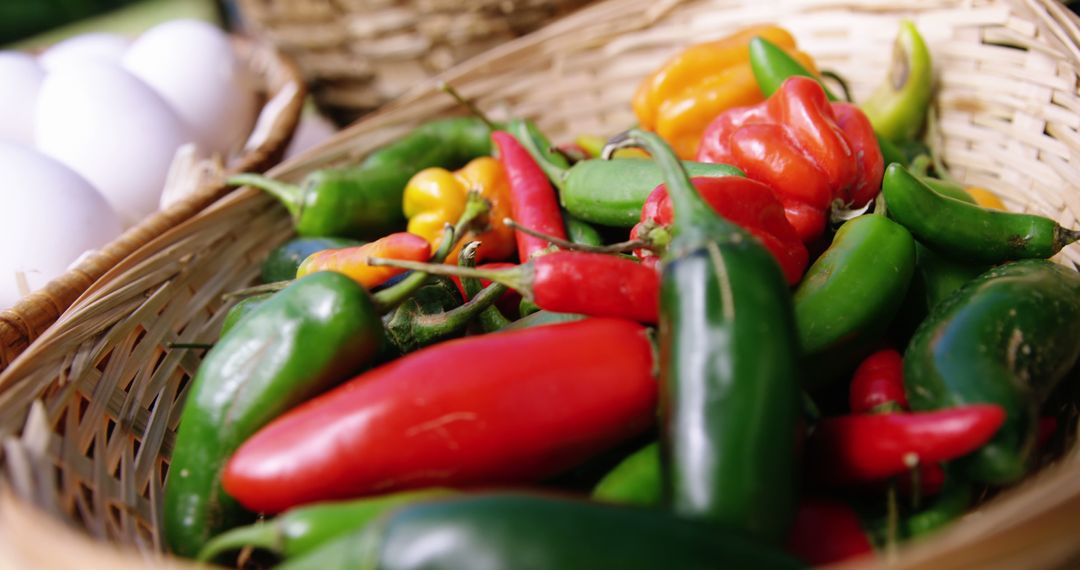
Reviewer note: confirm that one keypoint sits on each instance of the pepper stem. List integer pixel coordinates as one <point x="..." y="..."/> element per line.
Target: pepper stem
<point x="467" y="103"/>
<point x="260" y="535"/>
<point x="428" y="328"/>
<point x="1064" y="236"/>
<point x="491" y="319"/>
<point x="290" y="195"/>
<point x="553" y="163"/>
<point x="517" y="278"/>
<point x="621" y="247"/>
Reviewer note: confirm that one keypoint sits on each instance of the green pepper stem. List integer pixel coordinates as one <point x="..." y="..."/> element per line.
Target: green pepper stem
<point x="1064" y="236"/>
<point x="264" y="535"/>
<point x="491" y="319"/>
<point x="839" y="79"/>
<point x="620" y="247"/>
<point x="189" y="345"/>
<point x="690" y="208"/>
<point x="517" y="278"/>
<point x="554" y="164"/>
<point x="427" y="328"/>
<point x="290" y="195"/>
<point x="467" y="103"/>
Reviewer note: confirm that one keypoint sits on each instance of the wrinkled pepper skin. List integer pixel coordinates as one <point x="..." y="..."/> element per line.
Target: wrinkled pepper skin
<point x="281" y="264"/>
<point x="897" y="108"/>
<point x="436" y="197"/>
<point x="522" y="531"/>
<point x="352" y="261"/>
<point x="702" y="81"/>
<point x="746" y="202"/>
<point x="1006" y="338"/>
<point x="304" y="339"/>
<point x="501" y="408"/>
<point x="810" y="152"/>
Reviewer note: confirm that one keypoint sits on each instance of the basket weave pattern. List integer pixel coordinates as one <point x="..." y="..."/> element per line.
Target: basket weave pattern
<point x="87" y="413"/>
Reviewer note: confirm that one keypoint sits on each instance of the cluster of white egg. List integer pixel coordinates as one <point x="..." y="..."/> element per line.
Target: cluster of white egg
<point x="88" y="129"/>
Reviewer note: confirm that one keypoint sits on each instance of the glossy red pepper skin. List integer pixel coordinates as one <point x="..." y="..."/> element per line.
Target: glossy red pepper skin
<point x="862" y="448"/>
<point x="597" y="285"/>
<point x="878" y="384"/>
<point x="509" y="407"/>
<point x="745" y="202"/>
<point x="809" y="151"/>
<point x="826" y="531"/>
<point x="533" y="202"/>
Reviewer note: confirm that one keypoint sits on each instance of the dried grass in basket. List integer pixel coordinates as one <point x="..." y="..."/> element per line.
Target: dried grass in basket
<point x="87" y="413"/>
<point x="282" y="88"/>
<point x="360" y="54"/>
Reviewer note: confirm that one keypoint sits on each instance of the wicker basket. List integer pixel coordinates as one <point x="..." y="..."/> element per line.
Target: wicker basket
<point x="87" y="413"/>
<point x="282" y="88"/>
<point x="360" y="54"/>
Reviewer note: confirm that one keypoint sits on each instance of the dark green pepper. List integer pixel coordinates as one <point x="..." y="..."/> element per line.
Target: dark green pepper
<point x="299" y="531"/>
<point x="365" y="201"/>
<point x="281" y="264"/>
<point x="514" y="531"/>
<point x="729" y="422"/>
<point x="240" y="310"/>
<point x="850" y="295"/>
<point x="301" y="341"/>
<point x="634" y="481"/>
<point x="941" y="276"/>
<point x="966" y="231"/>
<point x="1005" y="338"/>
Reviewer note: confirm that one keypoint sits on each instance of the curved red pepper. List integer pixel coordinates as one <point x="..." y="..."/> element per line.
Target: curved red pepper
<point x="826" y="531"/>
<point x="809" y="151"/>
<point x="745" y="202"/>
<point x="878" y="384"/>
<point x="533" y="203"/>
<point x="861" y="448"/>
<point x="508" y="407"/>
<point x="596" y="284"/>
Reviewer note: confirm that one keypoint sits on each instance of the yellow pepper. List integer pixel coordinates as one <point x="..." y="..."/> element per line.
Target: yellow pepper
<point x="435" y="197"/>
<point x="681" y="98"/>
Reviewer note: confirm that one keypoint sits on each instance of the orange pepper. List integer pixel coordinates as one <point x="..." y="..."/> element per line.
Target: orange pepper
<point x="352" y="261"/>
<point x="681" y="98"/>
<point x="985" y="198"/>
<point x="435" y="197"/>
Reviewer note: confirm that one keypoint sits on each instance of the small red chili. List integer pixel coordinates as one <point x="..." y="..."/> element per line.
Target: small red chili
<point x="533" y="202"/>
<point x="826" y="531"/>
<point x="878" y="384"/>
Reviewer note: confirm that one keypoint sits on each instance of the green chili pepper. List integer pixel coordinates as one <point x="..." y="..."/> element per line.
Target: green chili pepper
<point x="1005" y="338"/>
<point x="502" y="531"/>
<point x="541" y="318"/>
<point x="897" y="109"/>
<point x="581" y="232"/>
<point x="365" y="201"/>
<point x="948" y="189"/>
<point x="850" y="295"/>
<point x="954" y="501"/>
<point x="240" y="310"/>
<point x="942" y="276"/>
<point x="281" y="264"/>
<point x="634" y="481"/>
<point x="729" y="422"/>
<point x="299" y="531"/>
<point x="967" y="231"/>
<point x="304" y="339"/>
<point x="772" y="66"/>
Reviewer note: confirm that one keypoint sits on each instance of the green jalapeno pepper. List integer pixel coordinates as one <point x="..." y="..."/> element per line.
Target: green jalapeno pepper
<point x="241" y="309"/>
<point x="305" y="338"/>
<point x="967" y="231"/>
<point x="504" y="531"/>
<point x="850" y="295"/>
<point x="283" y="261"/>
<point x="365" y="201"/>
<point x="634" y="481"/>
<point x="1005" y="338"/>
<point x="897" y="109"/>
<point x="299" y="531"/>
<point x="729" y="423"/>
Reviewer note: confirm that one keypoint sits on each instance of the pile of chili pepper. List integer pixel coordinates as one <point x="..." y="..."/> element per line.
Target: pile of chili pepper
<point x="805" y="345"/>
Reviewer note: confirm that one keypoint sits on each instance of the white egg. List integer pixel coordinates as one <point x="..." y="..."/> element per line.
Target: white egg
<point x="107" y="48"/>
<point x="192" y="65"/>
<point x="20" y="79"/>
<point x="111" y="128"/>
<point x="51" y="215"/>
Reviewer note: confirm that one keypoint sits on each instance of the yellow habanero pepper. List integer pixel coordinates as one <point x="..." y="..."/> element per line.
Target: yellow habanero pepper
<point x="681" y="98"/>
<point x="435" y="197"/>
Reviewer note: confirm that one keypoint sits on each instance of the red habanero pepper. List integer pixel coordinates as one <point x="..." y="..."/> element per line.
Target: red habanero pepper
<point x="810" y="152"/>
<point x="592" y="284"/>
<point x="826" y="531"/>
<point x="862" y="448"/>
<point x="533" y="203"/>
<point x="878" y="384"/>
<point x="743" y="201"/>
<point x="504" y="408"/>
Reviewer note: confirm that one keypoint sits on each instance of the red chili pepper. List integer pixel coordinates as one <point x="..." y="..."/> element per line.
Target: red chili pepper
<point x="533" y="203"/>
<point x="509" y="407"/>
<point x="862" y="448"/>
<point x="810" y="152"/>
<point x="878" y="384"/>
<point x="745" y="202"/>
<point x="826" y="531"/>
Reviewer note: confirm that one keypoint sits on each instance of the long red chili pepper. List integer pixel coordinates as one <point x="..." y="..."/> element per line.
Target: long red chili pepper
<point x="878" y="384"/>
<point x="592" y="284"/>
<point x="533" y="203"/>
<point x="826" y="531"/>
<point x="861" y="448"/>
<point x="508" y="407"/>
